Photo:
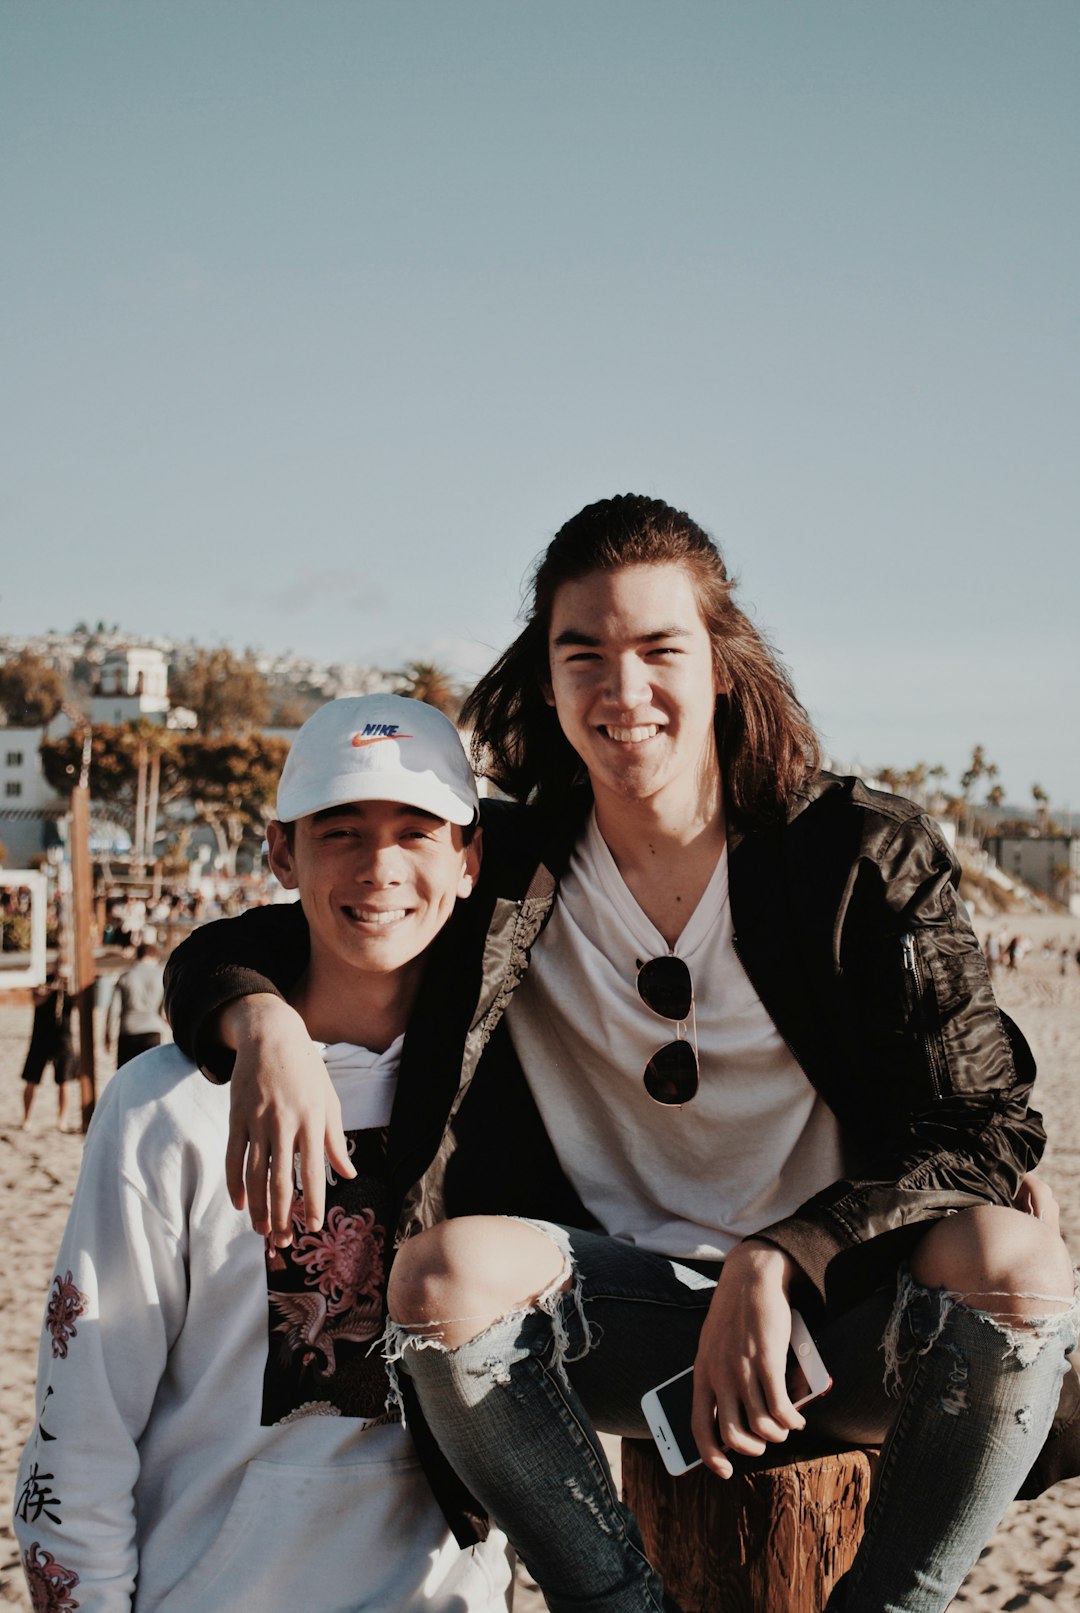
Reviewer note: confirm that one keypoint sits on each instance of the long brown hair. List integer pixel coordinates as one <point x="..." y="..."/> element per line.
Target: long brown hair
<point x="765" y="739"/>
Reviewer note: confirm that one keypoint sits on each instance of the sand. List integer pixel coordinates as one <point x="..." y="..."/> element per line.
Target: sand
<point x="1032" y="1562"/>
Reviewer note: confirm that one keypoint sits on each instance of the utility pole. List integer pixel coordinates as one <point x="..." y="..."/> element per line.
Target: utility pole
<point x="83" y="947"/>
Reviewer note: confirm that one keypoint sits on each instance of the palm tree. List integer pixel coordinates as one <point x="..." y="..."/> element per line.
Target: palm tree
<point x="914" y="781"/>
<point x="424" y="680"/>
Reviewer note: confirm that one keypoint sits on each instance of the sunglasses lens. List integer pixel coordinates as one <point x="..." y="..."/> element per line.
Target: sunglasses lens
<point x="665" y="986"/>
<point x="671" y="1075"/>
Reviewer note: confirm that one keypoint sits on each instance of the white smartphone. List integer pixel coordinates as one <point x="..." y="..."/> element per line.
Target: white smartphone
<point x="668" y="1407"/>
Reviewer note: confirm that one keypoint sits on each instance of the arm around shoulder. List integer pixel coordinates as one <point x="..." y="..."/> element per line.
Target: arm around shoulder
<point x="262" y="951"/>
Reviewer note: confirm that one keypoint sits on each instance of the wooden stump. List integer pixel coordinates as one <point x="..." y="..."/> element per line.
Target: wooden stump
<point x="773" y="1539"/>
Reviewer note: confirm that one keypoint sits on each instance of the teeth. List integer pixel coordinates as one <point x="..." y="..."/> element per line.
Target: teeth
<point x="376" y="915"/>
<point x="633" y="736"/>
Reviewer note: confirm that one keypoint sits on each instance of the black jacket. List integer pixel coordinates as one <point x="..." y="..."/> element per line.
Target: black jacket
<point x="847" y="923"/>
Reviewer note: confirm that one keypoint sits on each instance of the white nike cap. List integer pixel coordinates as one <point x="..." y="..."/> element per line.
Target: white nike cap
<point x="378" y="747"/>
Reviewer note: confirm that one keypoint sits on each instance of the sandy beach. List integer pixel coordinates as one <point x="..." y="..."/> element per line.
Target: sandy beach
<point x="1033" y="1561"/>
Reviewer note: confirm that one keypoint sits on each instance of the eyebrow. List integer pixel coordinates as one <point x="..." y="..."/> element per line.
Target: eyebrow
<point x="578" y="635"/>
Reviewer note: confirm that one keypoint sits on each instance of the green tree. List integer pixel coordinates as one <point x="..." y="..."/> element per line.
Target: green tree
<point x="227" y="693"/>
<point x="31" y="691"/>
<point x="232" y="785"/>
<point x="114" y="767"/>
<point x="1042" y="805"/>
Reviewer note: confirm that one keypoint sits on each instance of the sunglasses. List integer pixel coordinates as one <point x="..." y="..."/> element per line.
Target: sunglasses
<point x="665" y="985"/>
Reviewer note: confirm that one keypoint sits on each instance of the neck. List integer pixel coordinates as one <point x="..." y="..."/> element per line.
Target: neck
<point x="338" y="1004"/>
<point x="638" y="830"/>
<point x="665" y="851"/>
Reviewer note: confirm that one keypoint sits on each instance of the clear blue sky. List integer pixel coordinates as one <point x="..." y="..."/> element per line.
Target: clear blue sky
<point x="321" y="318"/>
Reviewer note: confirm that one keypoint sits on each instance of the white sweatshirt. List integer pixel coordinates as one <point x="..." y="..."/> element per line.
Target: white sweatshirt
<point x="150" y="1482"/>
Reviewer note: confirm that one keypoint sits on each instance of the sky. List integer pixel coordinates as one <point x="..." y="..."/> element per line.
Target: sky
<point x="320" y="319"/>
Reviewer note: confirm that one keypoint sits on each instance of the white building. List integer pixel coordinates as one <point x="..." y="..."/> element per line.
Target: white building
<point x="132" y="683"/>
<point x="28" y="803"/>
<point x="1049" y="863"/>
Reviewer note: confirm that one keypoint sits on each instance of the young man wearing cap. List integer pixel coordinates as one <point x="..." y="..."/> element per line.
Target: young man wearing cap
<point x="211" y="1427"/>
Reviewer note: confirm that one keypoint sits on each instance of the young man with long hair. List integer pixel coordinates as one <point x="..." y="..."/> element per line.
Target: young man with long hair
<point x="722" y="1043"/>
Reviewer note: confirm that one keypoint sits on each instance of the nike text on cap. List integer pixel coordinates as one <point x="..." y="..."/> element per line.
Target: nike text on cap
<point x="378" y="747"/>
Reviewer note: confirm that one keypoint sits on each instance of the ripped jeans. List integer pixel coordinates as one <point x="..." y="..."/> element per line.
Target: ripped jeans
<point x="961" y="1404"/>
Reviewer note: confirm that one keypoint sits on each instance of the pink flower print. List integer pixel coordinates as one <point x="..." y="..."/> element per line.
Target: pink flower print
<point x="344" y="1260"/>
<point x="66" y="1305"/>
<point x="50" y="1582"/>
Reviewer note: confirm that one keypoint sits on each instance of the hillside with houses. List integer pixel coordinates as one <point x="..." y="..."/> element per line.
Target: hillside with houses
<point x="181" y="745"/>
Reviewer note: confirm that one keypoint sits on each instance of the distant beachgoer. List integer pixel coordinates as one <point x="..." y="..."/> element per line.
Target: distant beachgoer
<point x="50" y="1043"/>
<point x="135" y="1022"/>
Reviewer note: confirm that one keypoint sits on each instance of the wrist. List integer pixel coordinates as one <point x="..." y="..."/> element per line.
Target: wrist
<point x="254" y="1018"/>
<point x="766" y="1258"/>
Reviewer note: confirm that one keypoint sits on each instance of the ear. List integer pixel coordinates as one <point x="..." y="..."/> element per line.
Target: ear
<point x="474" y="856"/>
<point x="280" y="855"/>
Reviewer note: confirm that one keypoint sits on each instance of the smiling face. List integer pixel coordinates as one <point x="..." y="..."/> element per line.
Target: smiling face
<point x="377" y="882"/>
<point x="634" y="686"/>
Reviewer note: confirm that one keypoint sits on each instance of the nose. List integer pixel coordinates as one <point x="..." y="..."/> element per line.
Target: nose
<point x="379" y="866"/>
<point x="627" y="685"/>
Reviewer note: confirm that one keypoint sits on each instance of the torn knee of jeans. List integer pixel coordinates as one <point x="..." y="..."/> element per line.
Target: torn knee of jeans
<point x="492" y="1348"/>
<point x="921" y="1314"/>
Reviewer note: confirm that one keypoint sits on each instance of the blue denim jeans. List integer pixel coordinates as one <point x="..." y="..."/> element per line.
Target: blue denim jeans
<point x="961" y="1404"/>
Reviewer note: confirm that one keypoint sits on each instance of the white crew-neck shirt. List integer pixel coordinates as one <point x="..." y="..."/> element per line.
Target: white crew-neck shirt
<point x="690" y="1181"/>
<point x="365" y="1082"/>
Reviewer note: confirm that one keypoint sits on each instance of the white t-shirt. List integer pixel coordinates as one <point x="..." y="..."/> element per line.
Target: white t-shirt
<point x="365" y="1082"/>
<point x="690" y="1181"/>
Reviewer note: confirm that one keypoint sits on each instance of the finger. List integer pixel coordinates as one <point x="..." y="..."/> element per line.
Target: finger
<point x="1035" y="1197"/>
<point x="235" y="1154"/>
<point x="337" y="1147"/>
<point x="255" y="1181"/>
<point x="703" y="1426"/>
<point x="283" y="1192"/>
<point x="313" y="1176"/>
<point x="745" y="1421"/>
<point x="773" y="1414"/>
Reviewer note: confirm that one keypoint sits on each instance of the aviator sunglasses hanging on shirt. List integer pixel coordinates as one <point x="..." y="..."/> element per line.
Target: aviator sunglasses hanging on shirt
<point x="665" y="985"/>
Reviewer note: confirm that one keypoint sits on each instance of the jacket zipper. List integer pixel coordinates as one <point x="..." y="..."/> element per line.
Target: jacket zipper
<point x="910" y="953"/>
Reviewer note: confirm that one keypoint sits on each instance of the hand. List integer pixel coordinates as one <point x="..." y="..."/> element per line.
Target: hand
<point x="741" y="1400"/>
<point x="1035" y="1197"/>
<point x="283" y="1104"/>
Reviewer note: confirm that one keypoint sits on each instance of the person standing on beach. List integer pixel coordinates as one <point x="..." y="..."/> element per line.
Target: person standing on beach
<point x="134" y="1022"/>
<point x="51" y="1042"/>
<point x="728" y="1045"/>
<point x="211" y="1423"/>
